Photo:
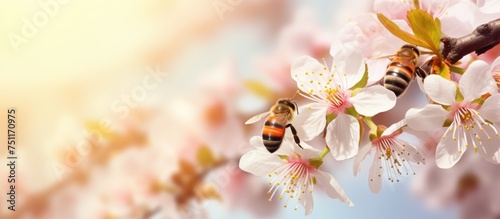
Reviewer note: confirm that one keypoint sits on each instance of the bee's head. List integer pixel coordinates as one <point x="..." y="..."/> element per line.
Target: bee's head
<point x="412" y="47"/>
<point x="289" y="102"/>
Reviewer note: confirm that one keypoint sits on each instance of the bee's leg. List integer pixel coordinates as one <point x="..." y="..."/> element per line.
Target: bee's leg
<point x="421" y="72"/>
<point x="294" y="132"/>
<point x="425" y="69"/>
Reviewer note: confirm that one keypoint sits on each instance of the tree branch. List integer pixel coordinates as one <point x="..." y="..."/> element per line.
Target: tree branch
<point x="484" y="37"/>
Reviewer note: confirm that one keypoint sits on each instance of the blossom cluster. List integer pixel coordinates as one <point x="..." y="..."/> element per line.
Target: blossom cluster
<point x="175" y="154"/>
<point x="463" y="107"/>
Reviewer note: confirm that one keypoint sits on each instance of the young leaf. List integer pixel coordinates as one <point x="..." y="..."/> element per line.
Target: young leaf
<point x="425" y="28"/>
<point x="398" y="32"/>
<point x="364" y="80"/>
<point x="442" y="69"/>
<point x="457" y="69"/>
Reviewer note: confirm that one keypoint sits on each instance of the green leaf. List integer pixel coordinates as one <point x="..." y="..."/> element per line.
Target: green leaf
<point x="330" y="117"/>
<point x="259" y="89"/>
<point x="316" y="162"/>
<point x="364" y="80"/>
<point x="457" y="69"/>
<point x="205" y="157"/>
<point x="447" y="122"/>
<point x="398" y="32"/>
<point x="283" y="157"/>
<point x="479" y="101"/>
<point x="442" y="69"/>
<point x="458" y="95"/>
<point x="425" y="28"/>
<point x="352" y="111"/>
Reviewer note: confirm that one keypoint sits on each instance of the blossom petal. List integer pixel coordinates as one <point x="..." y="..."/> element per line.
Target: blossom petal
<point x="377" y="69"/>
<point x="363" y="151"/>
<point x="348" y="65"/>
<point x="491" y="108"/>
<point x="411" y="153"/>
<point x="309" y="74"/>
<point x="394" y="127"/>
<point x="477" y="80"/>
<point x="332" y="187"/>
<point x="431" y="117"/>
<point x="440" y="90"/>
<point x="310" y="121"/>
<point x="343" y="136"/>
<point x="307" y="202"/>
<point x="490" y="149"/>
<point x="489" y="6"/>
<point x="375" y="175"/>
<point x="372" y="100"/>
<point x="307" y="151"/>
<point x="447" y="151"/>
<point x="260" y="162"/>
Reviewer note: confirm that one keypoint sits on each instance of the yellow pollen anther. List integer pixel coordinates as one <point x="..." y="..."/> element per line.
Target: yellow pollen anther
<point x="269" y="200"/>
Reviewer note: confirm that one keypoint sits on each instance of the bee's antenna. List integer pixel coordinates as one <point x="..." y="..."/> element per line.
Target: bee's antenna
<point x="293" y="98"/>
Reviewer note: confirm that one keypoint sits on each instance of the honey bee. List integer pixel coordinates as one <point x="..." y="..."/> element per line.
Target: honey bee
<point x="402" y="68"/>
<point x="278" y="119"/>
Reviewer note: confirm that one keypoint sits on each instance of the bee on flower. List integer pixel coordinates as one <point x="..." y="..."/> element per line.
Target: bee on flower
<point x="340" y="93"/>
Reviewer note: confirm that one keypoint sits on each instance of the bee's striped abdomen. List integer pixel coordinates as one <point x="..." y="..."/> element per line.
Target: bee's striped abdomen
<point x="398" y="76"/>
<point x="272" y="134"/>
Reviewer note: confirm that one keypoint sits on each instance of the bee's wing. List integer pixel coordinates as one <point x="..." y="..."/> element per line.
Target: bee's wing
<point x="383" y="57"/>
<point x="257" y="118"/>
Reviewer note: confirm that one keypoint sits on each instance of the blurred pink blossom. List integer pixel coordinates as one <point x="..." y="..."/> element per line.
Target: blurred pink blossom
<point x="456" y="16"/>
<point x="302" y="36"/>
<point x="371" y="37"/>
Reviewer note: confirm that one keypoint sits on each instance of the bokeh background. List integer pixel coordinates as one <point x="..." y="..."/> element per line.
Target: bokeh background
<point x="135" y="109"/>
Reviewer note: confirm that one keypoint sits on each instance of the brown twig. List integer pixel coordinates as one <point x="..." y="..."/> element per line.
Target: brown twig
<point x="484" y="37"/>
